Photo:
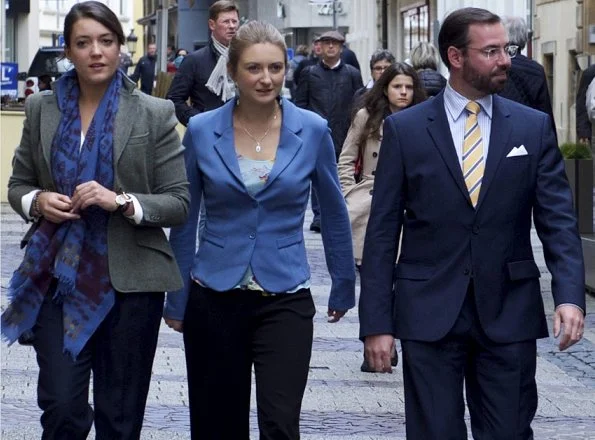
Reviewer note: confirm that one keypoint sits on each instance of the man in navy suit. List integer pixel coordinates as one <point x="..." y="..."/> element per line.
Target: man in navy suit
<point x="467" y="305"/>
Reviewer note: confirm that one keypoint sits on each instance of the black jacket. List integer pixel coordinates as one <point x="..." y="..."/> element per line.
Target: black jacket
<point x="145" y="71"/>
<point x="432" y="81"/>
<point x="190" y="82"/>
<point x="329" y="92"/>
<point x="527" y="85"/>
<point x="583" y="125"/>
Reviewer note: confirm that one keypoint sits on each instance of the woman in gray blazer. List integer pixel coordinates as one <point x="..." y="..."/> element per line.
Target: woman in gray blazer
<point x="100" y="171"/>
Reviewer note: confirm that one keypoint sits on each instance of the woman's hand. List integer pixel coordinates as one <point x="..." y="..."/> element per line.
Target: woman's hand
<point x="92" y="193"/>
<point x="55" y="207"/>
<point x="335" y="315"/>
<point x="175" y="324"/>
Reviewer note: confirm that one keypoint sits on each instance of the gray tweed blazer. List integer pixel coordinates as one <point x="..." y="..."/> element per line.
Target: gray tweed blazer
<point x="148" y="163"/>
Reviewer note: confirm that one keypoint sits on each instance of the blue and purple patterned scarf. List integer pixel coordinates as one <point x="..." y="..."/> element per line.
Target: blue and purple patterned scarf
<point x="73" y="253"/>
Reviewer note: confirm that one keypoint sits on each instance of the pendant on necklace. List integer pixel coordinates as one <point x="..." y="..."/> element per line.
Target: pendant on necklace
<point x="258" y="148"/>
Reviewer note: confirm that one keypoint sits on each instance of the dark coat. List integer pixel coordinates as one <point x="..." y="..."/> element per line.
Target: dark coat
<point x="190" y="82"/>
<point x="329" y="92"/>
<point x="583" y="125"/>
<point x="527" y="85"/>
<point x="432" y="80"/>
<point x="145" y="71"/>
<point x="348" y="57"/>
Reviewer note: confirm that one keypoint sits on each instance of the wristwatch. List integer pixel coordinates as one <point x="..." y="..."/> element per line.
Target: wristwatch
<point x="123" y="201"/>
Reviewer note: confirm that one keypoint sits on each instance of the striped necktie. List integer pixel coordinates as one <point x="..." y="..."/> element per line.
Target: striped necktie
<point x="473" y="163"/>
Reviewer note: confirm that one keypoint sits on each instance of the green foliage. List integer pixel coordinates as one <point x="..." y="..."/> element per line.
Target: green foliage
<point x="575" y="151"/>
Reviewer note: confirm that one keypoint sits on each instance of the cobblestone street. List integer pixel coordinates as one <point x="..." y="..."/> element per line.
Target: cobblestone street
<point x="340" y="401"/>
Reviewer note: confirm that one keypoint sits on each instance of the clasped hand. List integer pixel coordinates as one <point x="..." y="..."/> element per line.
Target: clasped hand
<point x="59" y="208"/>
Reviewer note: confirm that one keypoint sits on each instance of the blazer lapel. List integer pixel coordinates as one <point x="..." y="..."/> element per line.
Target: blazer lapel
<point x="124" y="122"/>
<point x="224" y="145"/>
<point x="499" y="138"/>
<point x="49" y="122"/>
<point x="289" y="142"/>
<point x="440" y="132"/>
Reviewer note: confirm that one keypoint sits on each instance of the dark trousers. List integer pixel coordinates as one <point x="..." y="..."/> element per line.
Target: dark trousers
<point x="225" y="333"/>
<point x="315" y="207"/>
<point x="499" y="382"/>
<point x="120" y="354"/>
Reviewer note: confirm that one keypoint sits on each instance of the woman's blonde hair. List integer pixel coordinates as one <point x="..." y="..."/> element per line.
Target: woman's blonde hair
<point x="253" y="32"/>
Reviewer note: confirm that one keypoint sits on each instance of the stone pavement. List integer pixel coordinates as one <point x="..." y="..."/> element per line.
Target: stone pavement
<point x="340" y="401"/>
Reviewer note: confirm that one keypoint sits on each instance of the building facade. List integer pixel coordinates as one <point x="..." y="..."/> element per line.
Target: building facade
<point x="30" y="24"/>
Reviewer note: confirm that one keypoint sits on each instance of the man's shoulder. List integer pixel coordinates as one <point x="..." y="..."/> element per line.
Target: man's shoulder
<point x="200" y="54"/>
<point x="526" y="66"/>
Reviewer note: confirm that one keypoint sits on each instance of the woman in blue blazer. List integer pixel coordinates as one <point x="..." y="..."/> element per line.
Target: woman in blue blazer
<point x="246" y="299"/>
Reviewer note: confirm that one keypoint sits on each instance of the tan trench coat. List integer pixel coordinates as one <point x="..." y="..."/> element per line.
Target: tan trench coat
<point x="358" y="196"/>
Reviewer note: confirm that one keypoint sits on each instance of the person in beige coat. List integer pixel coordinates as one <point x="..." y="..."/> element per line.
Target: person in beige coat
<point x="398" y="88"/>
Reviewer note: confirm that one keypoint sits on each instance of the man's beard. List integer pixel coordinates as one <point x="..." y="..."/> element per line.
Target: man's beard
<point x="482" y="83"/>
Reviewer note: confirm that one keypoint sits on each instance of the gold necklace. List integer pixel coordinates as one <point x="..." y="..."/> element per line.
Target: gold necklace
<point x="258" y="147"/>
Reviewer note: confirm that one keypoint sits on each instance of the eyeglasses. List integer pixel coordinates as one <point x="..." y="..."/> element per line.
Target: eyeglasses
<point x="498" y="52"/>
<point x="379" y="68"/>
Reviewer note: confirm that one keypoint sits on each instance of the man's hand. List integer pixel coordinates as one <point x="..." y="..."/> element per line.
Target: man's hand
<point x="573" y="321"/>
<point x="378" y="350"/>
<point x="175" y="324"/>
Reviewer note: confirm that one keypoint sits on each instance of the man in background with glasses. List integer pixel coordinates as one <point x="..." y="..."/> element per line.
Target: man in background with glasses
<point x="461" y="177"/>
<point x="526" y="83"/>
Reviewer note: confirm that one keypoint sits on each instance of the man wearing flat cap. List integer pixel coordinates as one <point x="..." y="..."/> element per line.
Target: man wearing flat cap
<point x="327" y="88"/>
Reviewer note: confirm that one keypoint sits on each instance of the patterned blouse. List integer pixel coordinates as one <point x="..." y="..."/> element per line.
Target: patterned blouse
<point x="255" y="174"/>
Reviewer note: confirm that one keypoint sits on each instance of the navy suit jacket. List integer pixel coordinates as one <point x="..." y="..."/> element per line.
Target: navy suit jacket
<point x="264" y="231"/>
<point x="419" y="190"/>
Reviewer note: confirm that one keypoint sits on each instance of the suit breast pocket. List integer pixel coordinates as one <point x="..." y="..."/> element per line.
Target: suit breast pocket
<point x="140" y="139"/>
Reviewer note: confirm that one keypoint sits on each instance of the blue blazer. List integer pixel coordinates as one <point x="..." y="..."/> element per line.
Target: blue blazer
<point x="446" y="244"/>
<point x="264" y="231"/>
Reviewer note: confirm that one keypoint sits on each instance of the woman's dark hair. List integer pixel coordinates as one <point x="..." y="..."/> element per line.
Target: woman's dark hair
<point x="375" y="101"/>
<point x="380" y="55"/>
<point x="180" y="50"/>
<point x="95" y="11"/>
<point x="455" y="29"/>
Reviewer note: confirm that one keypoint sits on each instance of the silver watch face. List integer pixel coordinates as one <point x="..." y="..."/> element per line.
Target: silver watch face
<point x="121" y="199"/>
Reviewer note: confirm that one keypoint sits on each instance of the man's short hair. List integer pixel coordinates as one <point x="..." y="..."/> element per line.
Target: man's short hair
<point x="222" y="6"/>
<point x="518" y="34"/>
<point x="455" y="29"/>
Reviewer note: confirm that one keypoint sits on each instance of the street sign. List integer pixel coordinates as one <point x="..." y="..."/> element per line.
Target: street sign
<point x="8" y="79"/>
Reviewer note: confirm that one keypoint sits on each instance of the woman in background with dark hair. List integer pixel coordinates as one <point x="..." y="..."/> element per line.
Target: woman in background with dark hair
<point x="396" y="89"/>
<point x="100" y="171"/>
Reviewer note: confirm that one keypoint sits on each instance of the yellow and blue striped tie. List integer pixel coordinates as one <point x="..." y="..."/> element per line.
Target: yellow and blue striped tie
<point x="473" y="163"/>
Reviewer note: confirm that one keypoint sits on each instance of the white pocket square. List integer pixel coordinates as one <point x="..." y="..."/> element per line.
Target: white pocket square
<point x="518" y="151"/>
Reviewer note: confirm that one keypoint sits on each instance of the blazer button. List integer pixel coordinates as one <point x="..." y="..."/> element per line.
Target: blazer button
<point x="466" y="272"/>
<point x="475" y="229"/>
<point x="374" y="154"/>
<point x="252" y="236"/>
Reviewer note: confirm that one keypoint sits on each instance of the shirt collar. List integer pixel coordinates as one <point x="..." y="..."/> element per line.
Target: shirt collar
<point x="455" y="103"/>
<point x="333" y="67"/>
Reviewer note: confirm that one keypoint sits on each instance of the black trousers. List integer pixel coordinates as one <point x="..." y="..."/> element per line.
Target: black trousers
<point x="499" y="381"/>
<point x="225" y="333"/>
<point x="120" y="354"/>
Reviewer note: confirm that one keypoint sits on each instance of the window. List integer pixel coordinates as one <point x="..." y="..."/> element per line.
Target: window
<point x="416" y="27"/>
